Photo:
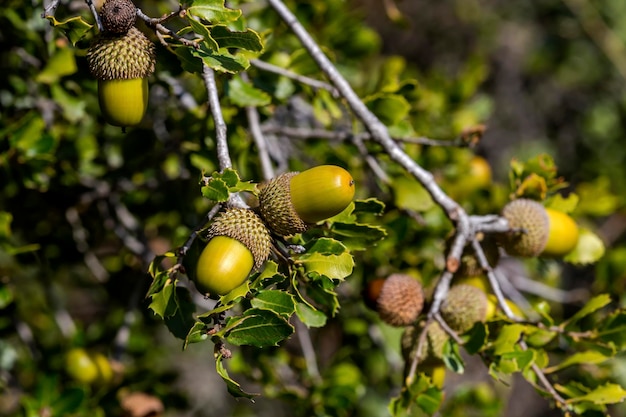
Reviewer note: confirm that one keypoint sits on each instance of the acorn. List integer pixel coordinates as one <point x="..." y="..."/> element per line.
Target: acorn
<point x="400" y="301"/>
<point x="563" y="236"/>
<point x="531" y="218"/>
<point x="464" y="306"/>
<point x="292" y="202"/>
<point x="121" y="63"/>
<point x="118" y="16"/>
<point x="432" y="352"/>
<point x="238" y="243"/>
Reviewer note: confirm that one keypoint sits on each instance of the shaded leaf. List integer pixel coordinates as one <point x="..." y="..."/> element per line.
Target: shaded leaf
<point x="310" y="316"/>
<point x="248" y="39"/>
<point x="233" y="387"/>
<point x="260" y="328"/>
<point x="197" y="333"/>
<point x="181" y="321"/>
<point x="75" y="28"/>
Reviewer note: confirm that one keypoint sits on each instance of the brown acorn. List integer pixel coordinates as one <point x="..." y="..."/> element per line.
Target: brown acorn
<point x="401" y="300"/>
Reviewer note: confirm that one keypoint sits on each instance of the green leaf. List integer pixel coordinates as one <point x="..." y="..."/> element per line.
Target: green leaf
<point x="370" y="205"/>
<point x="216" y="190"/>
<point x="605" y="394"/>
<point x="75" y="28"/>
<point x="588" y="250"/>
<point x="277" y="301"/>
<point x="310" y="316"/>
<point x="326" y="246"/>
<point x="197" y="333"/>
<point x="248" y="39"/>
<point x="221" y="60"/>
<point x="182" y="321"/>
<point x="331" y="266"/>
<point x="577" y="358"/>
<point x="164" y="302"/>
<point x="358" y="236"/>
<point x="213" y="11"/>
<point x="260" y="328"/>
<point x="6" y="219"/>
<point x="452" y="357"/>
<point x="421" y="392"/>
<point x="233" y="387"/>
<point x="508" y="338"/>
<point x="243" y="94"/>
<point x="409" y="194"/>
<point x="69" y="402"/>
<point x="204" y="32"/>
<point x="592" y="305"/>
<point x="565" y="204"/>
<point x="390" y="108"/>
<point x="476" y="338"/>
<point x="62" y="63"/>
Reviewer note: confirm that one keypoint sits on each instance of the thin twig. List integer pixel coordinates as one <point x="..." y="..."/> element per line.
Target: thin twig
<point x="223" y="156"/>
<point x="156" y="23"/>
<point x="290" y="74"/>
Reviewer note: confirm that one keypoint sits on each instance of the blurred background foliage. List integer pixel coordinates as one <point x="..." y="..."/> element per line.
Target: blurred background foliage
<point x="84" y="207"/>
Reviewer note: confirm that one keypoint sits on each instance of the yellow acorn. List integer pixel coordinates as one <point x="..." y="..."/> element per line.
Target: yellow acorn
<point x="293" y="201"/>
<point x="563" y="235"/>
<point x="238" y="242"/>
<point x="121" y="63"/>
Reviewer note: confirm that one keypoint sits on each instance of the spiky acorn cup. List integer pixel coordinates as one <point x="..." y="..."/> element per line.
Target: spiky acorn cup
<point x="292" y="202"/>
<point x="121" y="64"/>
<point x="432" y="352"/>
<point x="464" y="306"/>
<point x="401" y="300"/>
<point x="531" y="219"/>
<point x="238" y="243"/>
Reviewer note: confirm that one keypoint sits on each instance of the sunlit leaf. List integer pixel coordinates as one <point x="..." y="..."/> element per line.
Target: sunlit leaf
<point x="244" y="94"/>
<point x="588" y="250"/>
<point x="332" y="266"/>
<point x="277" y="301"/>
<point x="213" y="11"/>
<point x="577" y="358"/>
<point x="216" y="190"/>
<point x="591" y="306"/>
<point x="61" y="63"/>
<point x="411" y="195"/>
<point x="605" y="394"/>
<point x="75" y="28"/>
<point x="197" y="333"/>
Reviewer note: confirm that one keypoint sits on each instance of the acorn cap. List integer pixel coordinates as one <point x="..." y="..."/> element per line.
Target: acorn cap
<point x="401" y="300"/>
<point x="246" y="227"/>
<point x="531" y="217"/>
<point x="128" y="56"/>
<point x="464" y="306"/>
<point x="118" y="16"/>
<point x="276" y="207"/>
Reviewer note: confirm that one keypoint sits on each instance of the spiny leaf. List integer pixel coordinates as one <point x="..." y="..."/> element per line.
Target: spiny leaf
<point x="233" y="387"/>
<point x="592" y="305"/>
<point x="277" y="301"/>
<point x="257" y="327"/>
<point x="226" y="38"/>
<point x="75" y="28"/>
<point x="213" y="11"/>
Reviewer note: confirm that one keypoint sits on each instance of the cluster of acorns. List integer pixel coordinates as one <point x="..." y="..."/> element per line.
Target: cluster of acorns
<point x="536" y="231"/>
<point x="121" y="58"/>
<point x="240" y="240"/>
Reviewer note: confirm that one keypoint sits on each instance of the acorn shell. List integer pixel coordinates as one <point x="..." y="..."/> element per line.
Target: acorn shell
<point x="123" y="102"/>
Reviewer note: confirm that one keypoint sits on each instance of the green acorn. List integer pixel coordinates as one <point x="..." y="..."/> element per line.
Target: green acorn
<point x="118" y="16"/>
<point x="436" y="338"/>
<point x="238" y="243"/>
<point x="531" y="217"/>
<point x="401" y="300"/>
<point x="122" y="63"/>
<point x="464" y="306"/>
<point x="291" y="202"/>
